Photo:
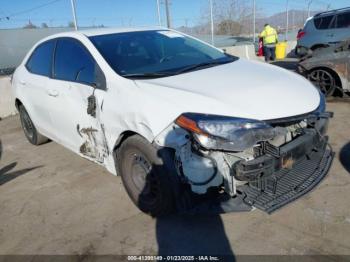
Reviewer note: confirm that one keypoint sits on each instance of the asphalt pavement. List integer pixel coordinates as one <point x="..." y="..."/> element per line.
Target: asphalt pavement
<point x="54" y="202"/>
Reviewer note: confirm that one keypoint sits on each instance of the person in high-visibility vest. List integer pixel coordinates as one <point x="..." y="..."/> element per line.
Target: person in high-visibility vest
<point x="269" y="34"/>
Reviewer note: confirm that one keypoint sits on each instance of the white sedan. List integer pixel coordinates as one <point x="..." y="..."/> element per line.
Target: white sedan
<point x="187" y="126"/>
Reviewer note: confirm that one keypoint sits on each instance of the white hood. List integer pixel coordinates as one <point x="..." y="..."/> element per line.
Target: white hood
<point x="240" y="89"/>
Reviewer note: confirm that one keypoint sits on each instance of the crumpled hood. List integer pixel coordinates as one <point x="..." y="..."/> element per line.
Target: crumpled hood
<point x="241" y="89"/>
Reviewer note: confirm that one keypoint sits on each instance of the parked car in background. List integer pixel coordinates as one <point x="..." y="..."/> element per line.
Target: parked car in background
<point x="187" y="127"/>
<point x="323" y="30"/>
<point x="328" y="69"/>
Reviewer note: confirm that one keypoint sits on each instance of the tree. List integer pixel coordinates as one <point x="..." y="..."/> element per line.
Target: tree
<point x="229" y="27"/>
<point x="30" y="25"/>
<point x="44" y="25"/>
<point x="229" y="16"/>
<point x="71" y="24"/>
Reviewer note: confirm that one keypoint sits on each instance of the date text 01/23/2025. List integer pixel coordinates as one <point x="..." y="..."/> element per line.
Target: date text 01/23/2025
<point x="173" y="258"/>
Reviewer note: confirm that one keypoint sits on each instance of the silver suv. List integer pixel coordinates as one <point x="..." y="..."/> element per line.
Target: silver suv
<point x="323" y="30"/>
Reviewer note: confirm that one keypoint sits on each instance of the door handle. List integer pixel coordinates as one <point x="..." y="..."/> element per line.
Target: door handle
<point x="53" y="93"/>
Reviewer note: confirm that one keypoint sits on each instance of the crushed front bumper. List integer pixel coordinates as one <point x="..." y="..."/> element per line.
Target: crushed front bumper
<point x="284" y="186"/>
<point x="283" y="174"/>
<point x="279" y="176"/>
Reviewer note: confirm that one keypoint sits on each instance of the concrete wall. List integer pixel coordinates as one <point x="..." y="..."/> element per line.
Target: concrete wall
<point x="291" y="46"/>
<point x="244" y="51"/>
<point x="7" y="104"/>
<point x="248" y="51"/>
<point x="15" y="43"/>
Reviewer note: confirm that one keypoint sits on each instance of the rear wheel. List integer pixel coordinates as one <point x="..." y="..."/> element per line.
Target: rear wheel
<point x="324" y="80"/>
<point x="33" y="136"/>
<point x="144" y="176"/>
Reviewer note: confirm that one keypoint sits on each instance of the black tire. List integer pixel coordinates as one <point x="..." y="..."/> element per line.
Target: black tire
<point x="324" y="80"/>
<point x="33" y="136"/>
<point x="145" y="176"/>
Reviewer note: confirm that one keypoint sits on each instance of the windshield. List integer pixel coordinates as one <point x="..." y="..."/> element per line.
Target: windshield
<point x="156" y="53"/>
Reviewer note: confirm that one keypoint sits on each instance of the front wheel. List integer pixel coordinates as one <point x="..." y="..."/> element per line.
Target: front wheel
<point x="144" y="176"/>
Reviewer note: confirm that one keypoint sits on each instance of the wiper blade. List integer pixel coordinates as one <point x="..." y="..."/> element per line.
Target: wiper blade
<point x="146" y="75"/>
<point x="202" y="65"/>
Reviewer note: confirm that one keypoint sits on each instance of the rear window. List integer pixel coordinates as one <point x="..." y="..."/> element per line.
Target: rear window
<point x="323" y="22"/>
<point x="41" y="59"/>
<point x="343" y="20"/>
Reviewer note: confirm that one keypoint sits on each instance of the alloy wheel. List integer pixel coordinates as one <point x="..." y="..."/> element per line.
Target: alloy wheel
<point x="323" y="80"/>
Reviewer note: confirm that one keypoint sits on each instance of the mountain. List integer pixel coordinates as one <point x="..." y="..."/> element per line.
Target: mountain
<point x="296" y="19"/>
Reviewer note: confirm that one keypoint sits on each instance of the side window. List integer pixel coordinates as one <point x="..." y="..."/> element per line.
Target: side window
<point x="40" y="61"/>
<point x="323" y="22"/>
<point x="73" y="62"/>
<point x="343" y="20"/>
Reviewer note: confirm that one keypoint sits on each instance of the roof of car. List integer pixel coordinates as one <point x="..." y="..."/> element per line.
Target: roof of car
<point x="105" y="31"/>
<point x="332" y="11"/>
<point x="100" y="31"/>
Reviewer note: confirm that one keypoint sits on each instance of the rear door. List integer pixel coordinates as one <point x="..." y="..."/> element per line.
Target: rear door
<point x="76" y="74"/>
<point x="33" y="83"/>
<point x="342" y="27"/>
<point x="325" y="30"/>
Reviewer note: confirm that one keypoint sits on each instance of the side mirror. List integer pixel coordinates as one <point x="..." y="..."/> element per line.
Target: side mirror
<point x="100" y="83"/>
<point x="91" y="108"/>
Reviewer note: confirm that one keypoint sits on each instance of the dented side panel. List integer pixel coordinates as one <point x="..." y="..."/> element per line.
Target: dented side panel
<point x="334" y="58"/>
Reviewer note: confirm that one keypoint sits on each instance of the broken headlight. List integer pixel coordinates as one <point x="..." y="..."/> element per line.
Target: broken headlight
<point x="226" y="133"/>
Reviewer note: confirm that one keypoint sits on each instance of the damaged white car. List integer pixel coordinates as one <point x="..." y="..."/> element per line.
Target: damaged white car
<point x="188" y="127"/>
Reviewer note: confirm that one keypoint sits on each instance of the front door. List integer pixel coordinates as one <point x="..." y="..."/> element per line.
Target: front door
<point x="74" y="85"/>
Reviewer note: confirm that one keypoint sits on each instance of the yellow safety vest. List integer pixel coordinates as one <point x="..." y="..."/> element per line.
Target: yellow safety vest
<point x="270" y="35"/>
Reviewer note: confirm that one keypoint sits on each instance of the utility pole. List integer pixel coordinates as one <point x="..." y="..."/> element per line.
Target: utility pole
<point x="287" y="22"/>
<point x="308" y="8"/>
<point x="254" y="19"/>
<point x="168" y="19"/>
<point x="158" y="10"/>
<point x="211" y="21"/>
<point x="74" y="15"/>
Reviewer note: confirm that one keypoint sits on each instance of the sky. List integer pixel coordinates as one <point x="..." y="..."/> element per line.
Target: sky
<point x="131" y="12"/>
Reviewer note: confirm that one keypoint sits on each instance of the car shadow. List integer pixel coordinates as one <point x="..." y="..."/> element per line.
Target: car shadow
<point x="192" y="235"/>
<point x="5" y="172"/>
<point x="344" y="156"/>
<point x="186" y="233"/>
